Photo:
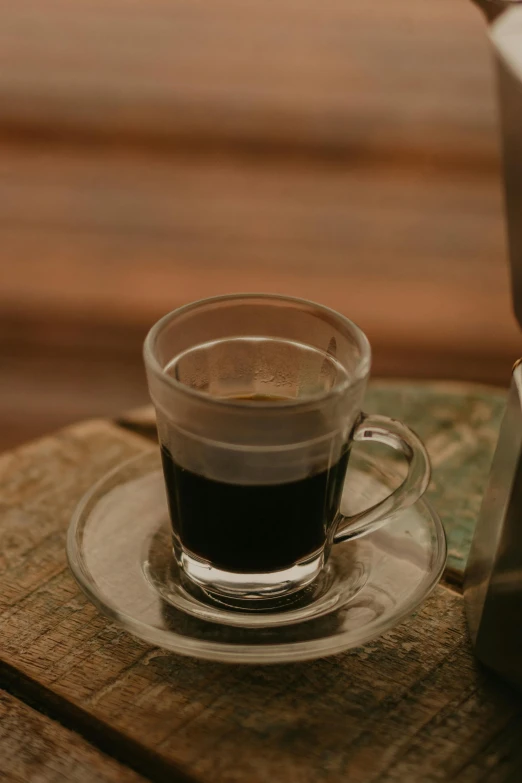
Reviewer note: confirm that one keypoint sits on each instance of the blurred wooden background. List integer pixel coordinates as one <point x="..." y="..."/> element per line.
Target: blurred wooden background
<point x="157" y="151"/>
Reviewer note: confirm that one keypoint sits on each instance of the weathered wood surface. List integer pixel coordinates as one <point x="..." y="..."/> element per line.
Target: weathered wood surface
<point x="36" y="749"/>
<point x="410" y="706"/>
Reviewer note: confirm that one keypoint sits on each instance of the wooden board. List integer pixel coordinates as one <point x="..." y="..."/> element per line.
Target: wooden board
<point x="36" y="749"/>
<point x="411" y="706"/>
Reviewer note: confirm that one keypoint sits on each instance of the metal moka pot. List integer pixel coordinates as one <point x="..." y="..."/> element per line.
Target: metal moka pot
<point x="493" y="579"/>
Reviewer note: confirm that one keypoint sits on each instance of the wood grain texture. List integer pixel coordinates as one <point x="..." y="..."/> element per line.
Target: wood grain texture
<point x="35" y="749"/>
<point x="411" y="706"/>
<point x="399" y="79"/>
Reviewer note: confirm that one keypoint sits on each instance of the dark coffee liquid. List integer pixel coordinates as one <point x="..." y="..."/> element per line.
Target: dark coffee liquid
<point x="254" y="528"/>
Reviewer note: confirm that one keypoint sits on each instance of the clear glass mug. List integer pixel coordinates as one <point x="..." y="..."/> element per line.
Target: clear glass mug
<point x="258" y="401"/>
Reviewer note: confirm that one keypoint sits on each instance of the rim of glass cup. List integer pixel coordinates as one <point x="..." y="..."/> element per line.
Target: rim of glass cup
<point x="361" y="371"/>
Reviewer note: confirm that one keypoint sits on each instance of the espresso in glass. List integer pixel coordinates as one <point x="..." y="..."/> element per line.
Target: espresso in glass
<point x="253" y="527"/>
<point x="258" y="401"/>
<point x="242" y="518"/>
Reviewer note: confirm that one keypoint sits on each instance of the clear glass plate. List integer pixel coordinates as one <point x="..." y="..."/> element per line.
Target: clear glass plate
<point x="119" y="551"/>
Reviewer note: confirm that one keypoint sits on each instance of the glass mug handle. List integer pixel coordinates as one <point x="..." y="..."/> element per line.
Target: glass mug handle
<point x="398" y="436"/>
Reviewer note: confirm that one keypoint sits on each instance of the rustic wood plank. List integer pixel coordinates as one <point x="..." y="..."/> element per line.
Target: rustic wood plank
<point x="32" y="561"/>
<point x="400" y="78"/>
<point x="36" y="749"/>
<point x="384" y="712"/>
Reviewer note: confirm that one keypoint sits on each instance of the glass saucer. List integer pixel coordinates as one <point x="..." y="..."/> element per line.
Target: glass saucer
<point x="119" y="551"/>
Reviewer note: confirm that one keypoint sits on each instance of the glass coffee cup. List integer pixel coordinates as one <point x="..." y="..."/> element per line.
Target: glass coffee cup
<point x="258" y="402"/>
